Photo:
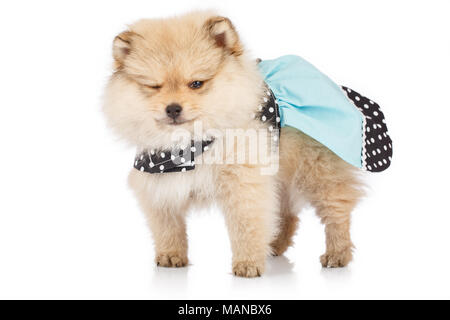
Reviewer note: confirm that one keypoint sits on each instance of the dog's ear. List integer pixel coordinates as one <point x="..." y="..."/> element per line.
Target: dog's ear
<point x="224" y="35"/>
<point x="122" y="46"/>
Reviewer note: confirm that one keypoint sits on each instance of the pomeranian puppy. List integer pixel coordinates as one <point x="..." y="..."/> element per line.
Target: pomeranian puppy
<point x="172" y="73"/>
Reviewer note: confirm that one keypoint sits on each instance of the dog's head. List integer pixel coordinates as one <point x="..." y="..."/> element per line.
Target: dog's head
<point x="170" y="73"/>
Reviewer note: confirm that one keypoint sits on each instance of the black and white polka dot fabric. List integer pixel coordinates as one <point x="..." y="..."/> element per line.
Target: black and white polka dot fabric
<point x="269" y="113"/>
<point x="377" y="145"/>
<point x="176" y="160"/>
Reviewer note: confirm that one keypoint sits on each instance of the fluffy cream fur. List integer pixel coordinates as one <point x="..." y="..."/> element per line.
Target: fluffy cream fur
<point x="155" y="61"/>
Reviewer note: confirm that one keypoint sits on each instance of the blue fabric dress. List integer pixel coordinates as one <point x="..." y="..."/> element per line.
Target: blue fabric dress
<point x="349" y="124"/>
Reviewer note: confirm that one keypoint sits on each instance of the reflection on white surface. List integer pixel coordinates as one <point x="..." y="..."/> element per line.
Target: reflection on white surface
<point x="336" y="274"/>
<point x="279" y="266"/>
<point x="197" y="282"/>
<point x="170" y="277"/>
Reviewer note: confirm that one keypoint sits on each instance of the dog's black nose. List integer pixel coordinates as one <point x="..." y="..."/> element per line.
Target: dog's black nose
<point x="173" y="110"/>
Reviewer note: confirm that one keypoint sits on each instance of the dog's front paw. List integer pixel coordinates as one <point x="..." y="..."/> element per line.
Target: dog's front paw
<point x="336" y="259"/>
<point x="171" y="260"/>
<point x="248" y="269"/>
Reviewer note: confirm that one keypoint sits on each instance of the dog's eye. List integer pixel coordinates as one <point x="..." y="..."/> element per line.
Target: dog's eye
<point x="155" y="87"/>
<point x="196" y="84"/>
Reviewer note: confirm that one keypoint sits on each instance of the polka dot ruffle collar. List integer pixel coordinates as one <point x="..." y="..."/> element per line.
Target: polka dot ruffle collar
<point x="171" y="160"/>
<point x="269" y="113"/>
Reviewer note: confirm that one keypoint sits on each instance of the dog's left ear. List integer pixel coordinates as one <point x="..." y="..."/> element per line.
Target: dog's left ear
<point x="224" y="35"/>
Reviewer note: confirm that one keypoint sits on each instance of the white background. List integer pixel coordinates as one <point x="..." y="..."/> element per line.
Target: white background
<point x="70" y="228"/>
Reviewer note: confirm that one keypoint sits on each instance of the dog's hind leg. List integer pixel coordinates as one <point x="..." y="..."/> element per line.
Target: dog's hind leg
<point x="334" y="202"/>
<point x="288" y="224"/>
<point x="328" y="183"/>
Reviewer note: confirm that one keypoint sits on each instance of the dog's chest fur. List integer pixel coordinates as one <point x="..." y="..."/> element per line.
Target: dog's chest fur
<point x="176" y="188"/>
